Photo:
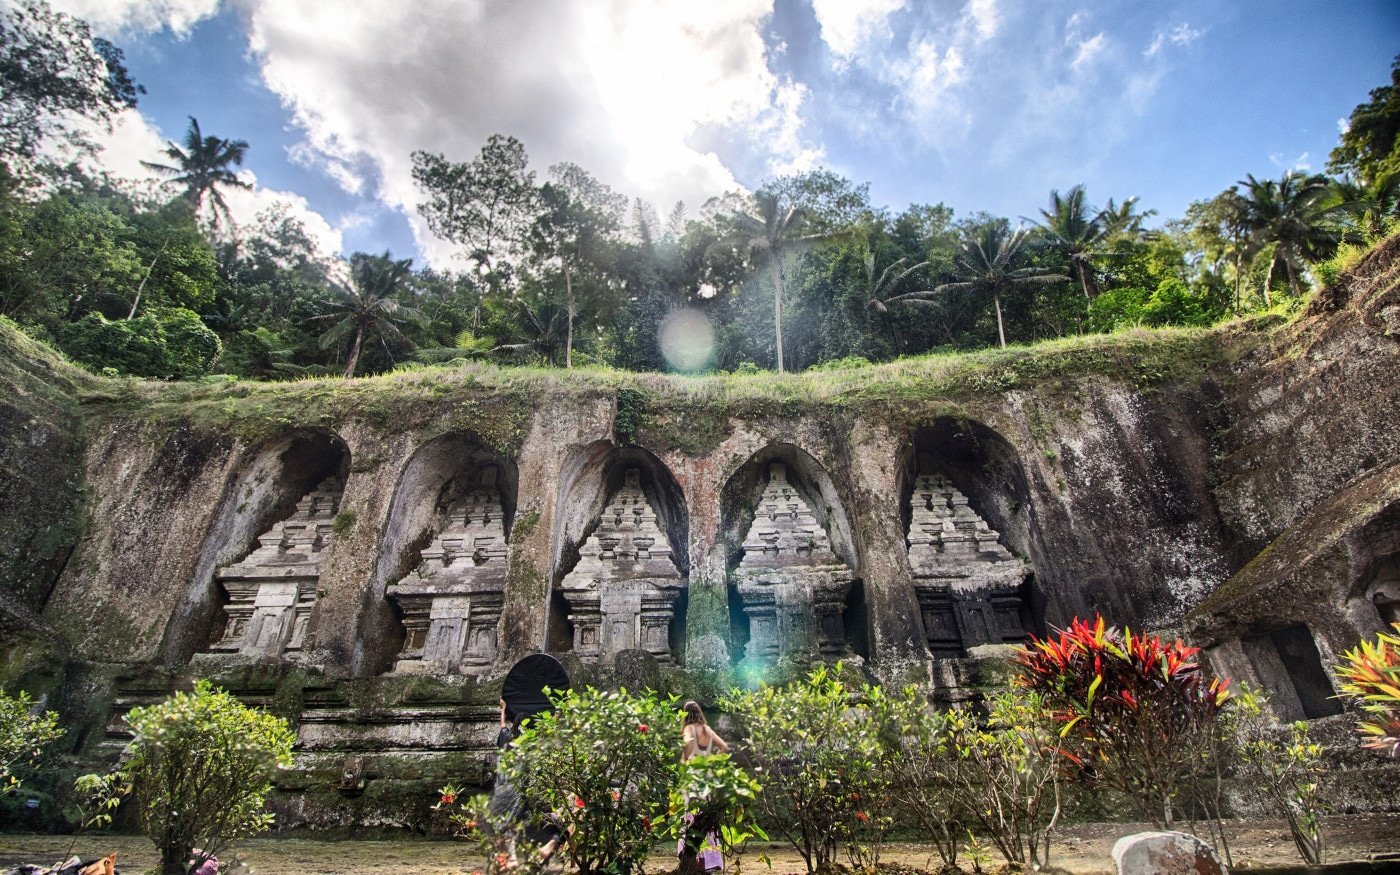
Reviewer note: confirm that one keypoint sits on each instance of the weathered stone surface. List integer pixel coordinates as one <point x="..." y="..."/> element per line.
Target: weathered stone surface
<point x="622" y="592"/>
<point x="969" y="586"/>
<point x="792" y="586"/>
<point x="273" y="589"/>
<point x="452" y="602"/>
<point x="1165" y="853"/>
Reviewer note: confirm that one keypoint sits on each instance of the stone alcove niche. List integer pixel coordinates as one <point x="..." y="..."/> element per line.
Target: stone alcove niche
<point x="1373" y="597"/>
<point x="794" y="584"/>
<point x="621" y="559"/>
<point x="434" y="601"/>
<point x="255" y="580"/>
<point x="966" y="520"/>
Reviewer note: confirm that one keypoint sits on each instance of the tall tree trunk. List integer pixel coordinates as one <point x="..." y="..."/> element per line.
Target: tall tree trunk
<point x="778" y="305"/>
<point x="1292" y="273"/>
<point x="569" y="334"/>
<point x="150" y="267"/>
<point x="1083" y="282"/>
<point x="354" y="354"/>
<point x="1001" y="331"/>
<point x="1269" y="277"/>
<point x="1239" y="269"/>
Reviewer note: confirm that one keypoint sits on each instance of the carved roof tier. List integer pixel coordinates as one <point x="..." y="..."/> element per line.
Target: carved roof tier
<point x="785" y="533"/>
<point x="628" y="544"/>
<point x="470" y="553"/>
<point x="949" y="540"/>
<point x="295" y="546"/>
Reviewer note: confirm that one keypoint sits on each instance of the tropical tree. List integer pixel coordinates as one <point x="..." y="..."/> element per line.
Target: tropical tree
<point x="1291" y="214"/>
<point x="203" y="166"/>
<point x="1072" y="227"/>
<point x="1370" y="145"/>
<point x="880" y="289"/>
<point x="53" y="71"/>
<point x="987" y="263"/>
<point x="368" y="307"/>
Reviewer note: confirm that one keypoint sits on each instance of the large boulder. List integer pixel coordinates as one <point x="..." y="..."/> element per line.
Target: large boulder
<point x="1165" y="853"/>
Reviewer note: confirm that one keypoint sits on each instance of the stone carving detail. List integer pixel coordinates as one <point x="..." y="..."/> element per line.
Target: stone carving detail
<point x="968" y="585"/>
<point x="622" y="593"/>
<point x="793" y="588"/>
<point x="272" y="590"/>
<point x="452" y="602"/>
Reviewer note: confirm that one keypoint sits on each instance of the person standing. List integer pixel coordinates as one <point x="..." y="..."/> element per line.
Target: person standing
<point x="699" y="739"/>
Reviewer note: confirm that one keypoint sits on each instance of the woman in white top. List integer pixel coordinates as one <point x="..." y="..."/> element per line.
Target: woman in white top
<point x="699" y="739"/>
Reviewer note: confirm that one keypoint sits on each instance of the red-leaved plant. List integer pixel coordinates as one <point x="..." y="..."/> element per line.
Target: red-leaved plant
<point x="1138" y="714"/>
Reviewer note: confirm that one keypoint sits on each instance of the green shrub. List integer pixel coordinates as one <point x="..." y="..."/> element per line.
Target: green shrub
<point x="816" y="751"/>
<point x="716" y="794"/>
<point x="1282" y="767"/>
<point x="202" y="765"/>
<point x="23" y="735"/>
<point x="601" y="766"/>
<point x="920" y="765"/>
<point x="161" y="344"/>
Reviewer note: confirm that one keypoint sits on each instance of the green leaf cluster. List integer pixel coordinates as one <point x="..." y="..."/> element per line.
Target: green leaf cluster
<point x="203" y="764"/>
<point x="24" y="730"/>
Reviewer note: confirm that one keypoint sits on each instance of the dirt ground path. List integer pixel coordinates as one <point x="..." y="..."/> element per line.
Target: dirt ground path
<point x="1083" y="848"/>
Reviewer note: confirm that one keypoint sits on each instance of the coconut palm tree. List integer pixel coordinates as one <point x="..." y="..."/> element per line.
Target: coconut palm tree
<point x="1072" y="227"/>
<point x="986" y="263"/>
<point x="768" y="230"/>
<point x="880" y="290"/>
<point x="204" y="165"/>
<point x="367" y="307"/>
<point x="1291" y="214"/>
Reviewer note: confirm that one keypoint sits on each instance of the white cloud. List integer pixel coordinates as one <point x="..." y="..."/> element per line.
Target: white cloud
<point x="927" y="74"/>
<point x="116" y="16"/>
<point x="1301" y="164"/>
<point x="1180" y="35"/>
<point x="985" y="17"/>
<point x="846" y="25"/>
<point x="1089" y="50"/>
<point x="625" y="88"/>
<point x="1343" y="125"/>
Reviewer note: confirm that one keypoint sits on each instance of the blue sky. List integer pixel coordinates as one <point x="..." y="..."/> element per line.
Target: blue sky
<point x="980" y="104"/>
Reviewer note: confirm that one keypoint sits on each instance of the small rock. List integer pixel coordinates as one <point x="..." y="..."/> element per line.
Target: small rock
<point x="1165" y="853"/>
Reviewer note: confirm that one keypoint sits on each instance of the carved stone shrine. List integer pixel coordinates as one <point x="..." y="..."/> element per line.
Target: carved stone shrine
<point x="272" y="590"/>
<point x="969" y="586"/>
<point x="792" y="586"/>
<point x="623" y="591"/>
<point x="452" y="601"/>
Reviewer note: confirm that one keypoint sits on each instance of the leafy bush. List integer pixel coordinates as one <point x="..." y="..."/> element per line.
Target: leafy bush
<point x="1371" y="674"/>
<point x="1138" y="713"/>
<point x="602" y="767"/>
<point x="472" y="821"/>
<point x="816" y="752"/>
<point x="202" y="764"/>
<point x="715" y="794"/>
<point x="23" y="735"/>
<point x="1282" y="767"/>
<point x="919" y="765"/>
<point x="161" y="344"/>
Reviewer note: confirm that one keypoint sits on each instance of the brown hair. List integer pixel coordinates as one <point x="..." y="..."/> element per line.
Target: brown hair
<point x="693" y="715"/>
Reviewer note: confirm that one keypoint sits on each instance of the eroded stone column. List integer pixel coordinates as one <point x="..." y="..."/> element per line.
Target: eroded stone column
<point x="623" y="591"/>
<point x="792" y="586"/>
<point x="452" y="602"/>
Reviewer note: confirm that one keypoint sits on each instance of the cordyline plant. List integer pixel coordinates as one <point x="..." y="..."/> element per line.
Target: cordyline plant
<point x="1370" y="673"/>
<point x="815" y="750"/>
<point x="1137" y="713"/>
<point x="600" y="767"/>
<point x="202" y="764"/>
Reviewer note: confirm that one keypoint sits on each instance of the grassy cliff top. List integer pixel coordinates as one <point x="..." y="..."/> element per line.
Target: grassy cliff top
<point x="496" y="401"/>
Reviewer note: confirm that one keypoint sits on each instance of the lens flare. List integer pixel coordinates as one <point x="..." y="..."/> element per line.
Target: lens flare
<point x="687" y="340"/>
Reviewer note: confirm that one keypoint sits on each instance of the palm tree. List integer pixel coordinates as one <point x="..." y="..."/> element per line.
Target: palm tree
<point x="880" y="290"/>
<point x="368" y="306"/>
<point x="1372" y="208"/>
<point x="769" y="229"/>
<point x="986" y="263"/>
<point x="543" y="329"/>
<point x="1124" y="219"/>
<point x="1073" y="227"/>
<point x="202" y="166"/>
<point x="1291" y="214"/>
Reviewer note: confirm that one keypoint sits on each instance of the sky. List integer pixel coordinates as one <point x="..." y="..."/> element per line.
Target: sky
<point x="978" y="104"/>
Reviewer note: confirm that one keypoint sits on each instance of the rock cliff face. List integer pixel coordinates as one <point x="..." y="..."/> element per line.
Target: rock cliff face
<point x="368" y="557"/>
